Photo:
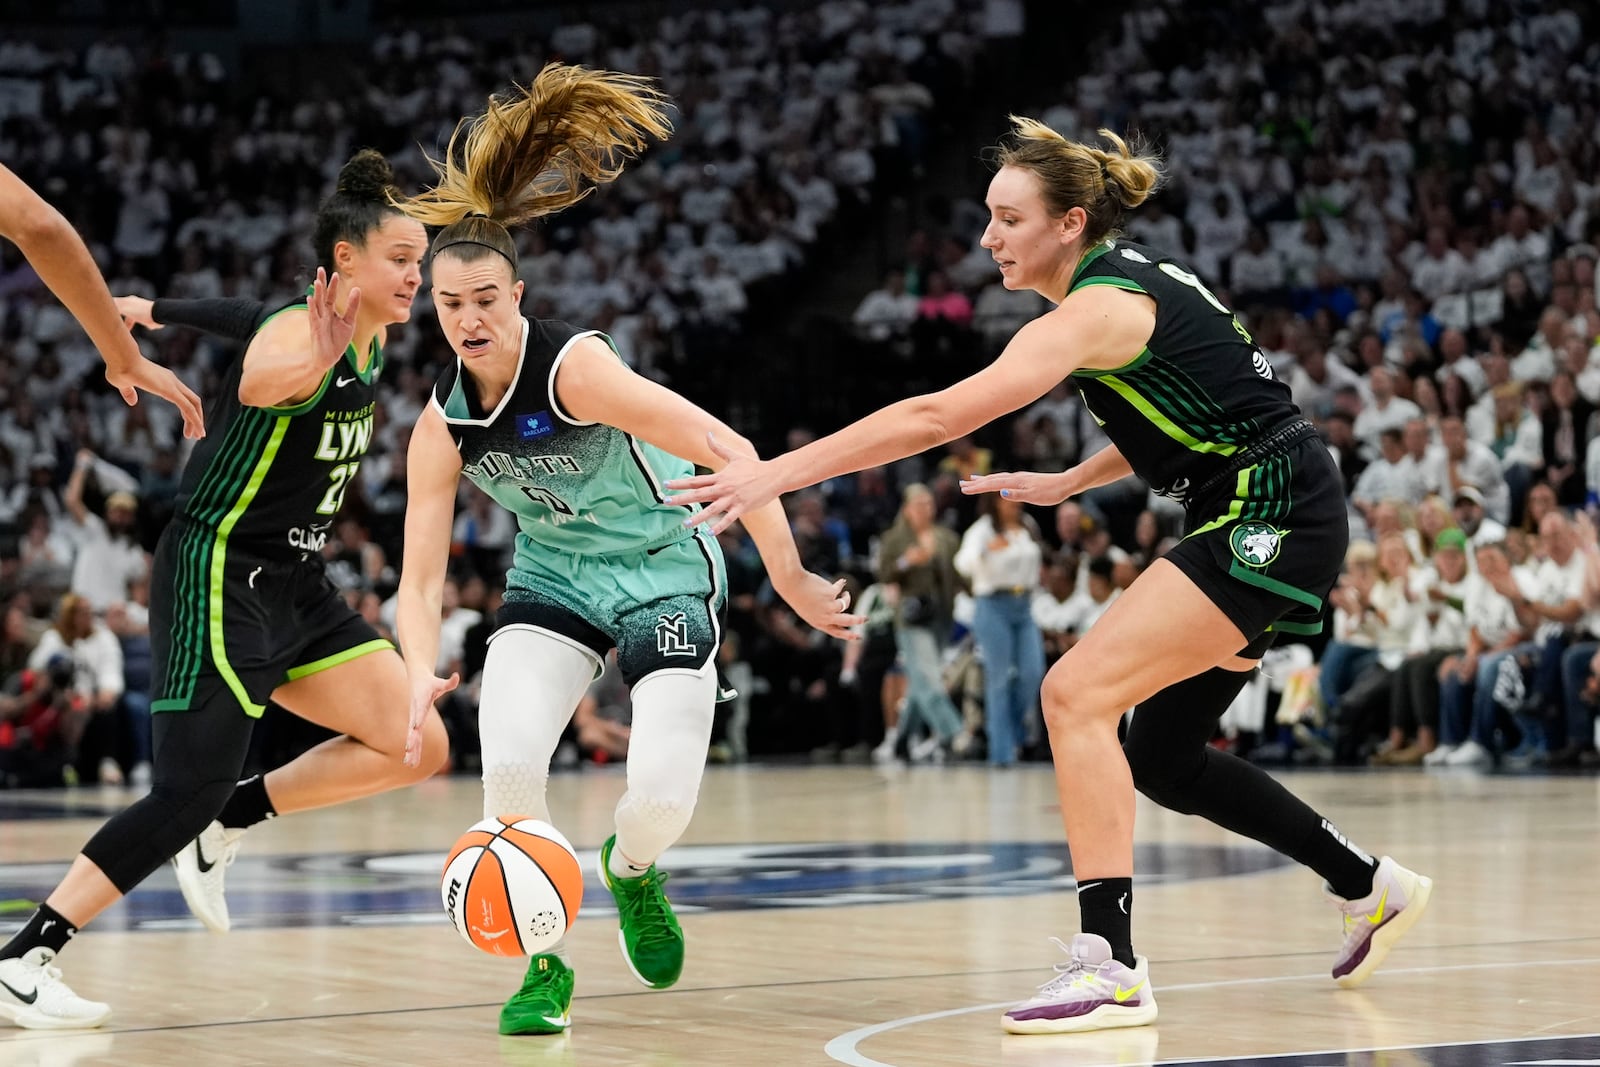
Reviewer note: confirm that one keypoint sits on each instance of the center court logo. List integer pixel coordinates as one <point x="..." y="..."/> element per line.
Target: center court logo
<point x="396" y="889"/>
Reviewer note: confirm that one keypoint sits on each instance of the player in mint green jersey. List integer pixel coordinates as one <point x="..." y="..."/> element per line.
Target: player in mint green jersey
<point x="241" y="610"/>
<point x="1192" y="406"/>
<point x="546" y="419"/>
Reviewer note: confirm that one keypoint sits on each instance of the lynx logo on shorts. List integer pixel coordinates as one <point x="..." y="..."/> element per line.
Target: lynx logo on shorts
<point x="1255" y="543"/>
<point x="672" y="635"/>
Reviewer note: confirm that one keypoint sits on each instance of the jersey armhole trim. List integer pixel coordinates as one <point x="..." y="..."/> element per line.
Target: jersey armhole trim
<point x="1111" y="280"/>
<point x="1135" y="363"/>
<point x="555" y="366"/>
<point x="291" y="410"/>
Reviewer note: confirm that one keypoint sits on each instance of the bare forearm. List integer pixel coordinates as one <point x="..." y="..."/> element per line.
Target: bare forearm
<point x="64" y="264"/>
<point x="417" y="626"/>
<point x="907" y="428"/>
<point x="1104" y="467"/>
<point x="769" y="529"/>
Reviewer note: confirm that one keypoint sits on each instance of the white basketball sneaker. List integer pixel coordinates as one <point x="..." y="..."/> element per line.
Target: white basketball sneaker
<point x="200" y="866"/>
<point x="33" y="996"/>
<point x="1091" y="992"/>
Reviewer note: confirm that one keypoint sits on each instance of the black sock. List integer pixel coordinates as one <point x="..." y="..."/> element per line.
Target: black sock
<point x="1106" y="908"/>
<point x="1347" y="870"/>
<point x="248" y="805"/>
<point x="46" y="928"/>
<point x="1173" y="765"/>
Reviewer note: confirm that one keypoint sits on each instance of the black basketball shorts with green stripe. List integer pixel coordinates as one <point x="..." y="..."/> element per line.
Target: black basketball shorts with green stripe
<point x="1268" y="543"/>
<point x="228" y="626"/>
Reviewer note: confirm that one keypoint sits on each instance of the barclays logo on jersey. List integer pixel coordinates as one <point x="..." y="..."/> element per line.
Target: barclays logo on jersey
<point x="536" y="425"/>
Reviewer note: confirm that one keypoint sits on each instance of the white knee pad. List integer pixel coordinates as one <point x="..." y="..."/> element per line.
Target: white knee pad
<point x="672" y="713"/>
<point x="532" y="682"/>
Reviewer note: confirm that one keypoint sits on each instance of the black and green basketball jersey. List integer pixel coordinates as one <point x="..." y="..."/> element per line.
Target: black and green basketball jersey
<point x="576" y="488"/>
<point x="269" y="481"/>
<point x="1199" y="393"/>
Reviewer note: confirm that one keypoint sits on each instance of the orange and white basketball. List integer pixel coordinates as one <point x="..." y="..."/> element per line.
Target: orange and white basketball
<point x="512" y="886"/>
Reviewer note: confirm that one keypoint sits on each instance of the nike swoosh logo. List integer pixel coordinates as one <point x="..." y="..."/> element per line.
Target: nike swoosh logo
<point x="1377" y="915"/>
<point x="340" y="383"/>
<point x="1123" y="994"/>
<point x="26" y="999"/>
<point x="253" y="577"/>
<point x="204" y="864"/>
<point x="557" y="1020"/>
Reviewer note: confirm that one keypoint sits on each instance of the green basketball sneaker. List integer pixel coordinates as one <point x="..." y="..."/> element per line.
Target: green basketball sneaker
<point x="544" y="1003"/>
<point x="651" y="939"/>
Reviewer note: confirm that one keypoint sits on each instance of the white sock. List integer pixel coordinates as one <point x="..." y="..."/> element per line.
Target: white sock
<point x="621" y="867"/>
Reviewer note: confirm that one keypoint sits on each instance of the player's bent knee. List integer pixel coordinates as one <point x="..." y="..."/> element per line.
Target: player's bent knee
<point x="1072" y="704"/>
<point x="154" y="828"/>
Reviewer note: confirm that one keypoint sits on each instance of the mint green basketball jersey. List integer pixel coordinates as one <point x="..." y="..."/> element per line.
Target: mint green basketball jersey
<point x="576" y="488"/>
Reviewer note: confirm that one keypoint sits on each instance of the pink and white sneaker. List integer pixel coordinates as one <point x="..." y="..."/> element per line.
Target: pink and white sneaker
<point x="1375" y="922"/>
<point x="1091" y="992"/>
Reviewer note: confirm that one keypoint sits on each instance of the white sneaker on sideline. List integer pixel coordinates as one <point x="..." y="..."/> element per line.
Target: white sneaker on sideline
<point x="1437" y="757"/>
<point x="33" y="996"/>
<point x="201" y="865"/>
<point x="1469" y="754"/>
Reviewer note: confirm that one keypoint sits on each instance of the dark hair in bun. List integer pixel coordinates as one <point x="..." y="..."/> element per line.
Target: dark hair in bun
<point x="358" y="205"/>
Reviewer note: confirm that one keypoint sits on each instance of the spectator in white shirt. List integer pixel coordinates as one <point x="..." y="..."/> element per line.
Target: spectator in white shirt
<point x="1392" y="476"/>
<point x="1384" y="410"/>
<point x="1458" y="463"/>
<point x="1537" y="362"/>
<point x="109" y="557"/>
<point x="1454" y="360"/>
<point x="1000" y="557"/>
<point x="1467" y="506"/>
<point x="96" y="660"/>
<point x="888" y="311"/>
<point x="1441" y="270"/>
<point x="1257" y="271"/>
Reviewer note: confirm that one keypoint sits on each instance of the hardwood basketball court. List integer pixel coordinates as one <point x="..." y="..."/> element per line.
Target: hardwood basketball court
<point x="849" y="915"/>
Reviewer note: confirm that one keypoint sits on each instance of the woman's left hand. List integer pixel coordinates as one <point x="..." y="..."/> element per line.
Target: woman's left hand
<point x="742" y="486"/>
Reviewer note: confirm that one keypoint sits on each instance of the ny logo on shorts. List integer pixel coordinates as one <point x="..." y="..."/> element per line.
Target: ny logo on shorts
<point x="672" y="636"/>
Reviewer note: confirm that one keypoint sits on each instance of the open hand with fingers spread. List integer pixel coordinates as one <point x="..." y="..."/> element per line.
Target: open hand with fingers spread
<point x="1026" y="487"/>
<point x="330" y="331"/>
<point x="740" y="487"/>
<point x="822" y="604"/>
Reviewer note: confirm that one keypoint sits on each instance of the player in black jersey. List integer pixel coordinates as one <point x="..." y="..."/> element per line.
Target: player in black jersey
<point x="241" y="610"/>
<point x="1191" y="405"/>
<point x="62" y="261"/>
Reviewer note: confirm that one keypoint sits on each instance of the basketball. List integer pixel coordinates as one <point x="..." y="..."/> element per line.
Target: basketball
<point x="512" y="886"/>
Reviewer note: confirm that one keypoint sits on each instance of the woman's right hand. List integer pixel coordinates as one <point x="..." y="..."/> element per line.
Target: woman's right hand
<point x="426" y="690"/>
<point x="136" y="311"/>
<point x="1027" y="487"/>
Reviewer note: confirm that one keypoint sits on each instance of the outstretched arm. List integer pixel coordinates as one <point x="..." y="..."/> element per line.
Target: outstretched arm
<point x="594" y="385"/>
<point x="1104" y="467"/>
<point x="235" y="318"/>
<point x="433" y="466"/>
<point x="1098" y="327"/>
<point x="64" y="264"/>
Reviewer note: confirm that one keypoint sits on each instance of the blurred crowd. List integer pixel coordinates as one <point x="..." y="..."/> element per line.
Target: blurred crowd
<point x="1394" y="198"/>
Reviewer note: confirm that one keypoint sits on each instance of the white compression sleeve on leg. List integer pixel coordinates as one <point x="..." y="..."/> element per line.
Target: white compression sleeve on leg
<point x="532" y="682"/>
<point x="672" y="713"/>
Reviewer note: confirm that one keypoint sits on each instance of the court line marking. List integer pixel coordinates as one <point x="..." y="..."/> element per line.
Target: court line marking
<point x="844" y="1048"/>
<point x="41" y="1035"/>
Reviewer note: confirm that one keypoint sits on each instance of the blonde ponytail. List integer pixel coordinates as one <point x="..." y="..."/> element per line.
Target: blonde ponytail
<point x="542" y="149"/>
<point x="1104" y="184"/>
